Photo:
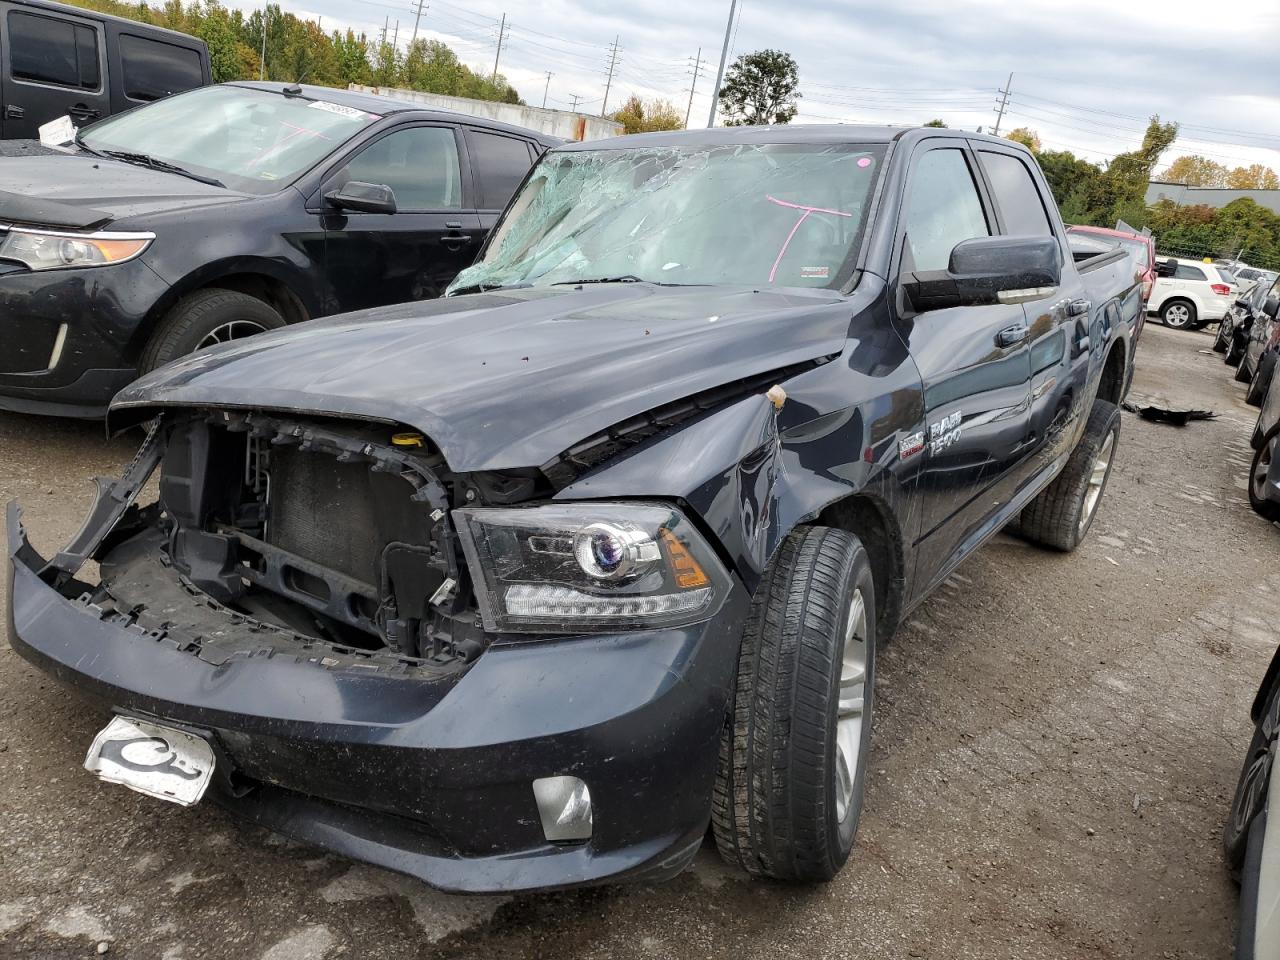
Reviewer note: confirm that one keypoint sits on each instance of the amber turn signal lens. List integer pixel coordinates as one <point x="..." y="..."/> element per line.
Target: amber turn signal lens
<point x="686" y="569"/>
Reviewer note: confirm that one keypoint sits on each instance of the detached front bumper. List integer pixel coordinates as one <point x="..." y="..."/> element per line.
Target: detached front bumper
<point x="431" y="777"/>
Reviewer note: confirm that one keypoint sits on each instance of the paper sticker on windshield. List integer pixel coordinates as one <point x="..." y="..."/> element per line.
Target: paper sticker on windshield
<point x="815" y="273"/>
<point x="351" y="113"/>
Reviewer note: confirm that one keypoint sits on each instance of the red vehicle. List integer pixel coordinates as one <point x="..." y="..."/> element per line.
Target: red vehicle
<point x="1143" y="248"/>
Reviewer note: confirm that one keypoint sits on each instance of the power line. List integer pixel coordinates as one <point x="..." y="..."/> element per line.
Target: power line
<point x="502" y="35"/>
<point x="693" y="85"/>
<point x="613" y="65"/>
<point x="417" y="18"/>
<point x="1004" y="102"/>
<point x="546" y="89"/>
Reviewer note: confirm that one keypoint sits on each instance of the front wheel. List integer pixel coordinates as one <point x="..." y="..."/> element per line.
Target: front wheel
<point x="793" y="755"/>
<point x="1062" y="512"/>
<point x="1179" y="314"/>
<point x="1221" y="341"/>
<point x="1264" y="478"/>
<point x="207" y="318"/>
<point x="1258" y="384"/>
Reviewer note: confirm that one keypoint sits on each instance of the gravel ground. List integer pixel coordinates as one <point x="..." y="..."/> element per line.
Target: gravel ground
<point x="1055" y="749"/>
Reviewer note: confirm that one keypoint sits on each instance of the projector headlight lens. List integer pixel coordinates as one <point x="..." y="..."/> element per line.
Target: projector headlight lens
<point x="51" y="250"/>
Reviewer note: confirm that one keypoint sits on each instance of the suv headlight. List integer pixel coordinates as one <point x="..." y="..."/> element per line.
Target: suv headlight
<point x="589" y="567"/>
<point x="50" y="250"/>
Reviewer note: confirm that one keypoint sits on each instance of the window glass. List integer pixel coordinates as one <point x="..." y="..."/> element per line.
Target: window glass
<point x="45" y="50"/>
<point x="943" y="209"/>
<point x="500" y="163"/>
<point x="420" y="164"/>
<point x="154" y="69"/>
<point x="1016" y="195"/>
<point x="1184" y="271"/>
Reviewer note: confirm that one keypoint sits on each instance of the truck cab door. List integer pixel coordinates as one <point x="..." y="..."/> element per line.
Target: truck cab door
<point x="974" y="369"/>
<point x="376" y="259"/>
<point x="1061" y="326"/>
<point x="53" y="65"/>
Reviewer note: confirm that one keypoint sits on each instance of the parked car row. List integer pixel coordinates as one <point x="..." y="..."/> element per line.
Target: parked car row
<point x="1249" y="338"/>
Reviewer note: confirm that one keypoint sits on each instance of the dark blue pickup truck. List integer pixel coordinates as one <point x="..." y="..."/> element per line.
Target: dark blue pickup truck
<point x="529" y="585"/>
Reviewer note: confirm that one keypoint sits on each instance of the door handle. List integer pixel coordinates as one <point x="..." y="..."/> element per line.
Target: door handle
<point x="14" y="112"/>
<point x="455" y="241"/>
<point x="81" y="112"/>
<point x="1078" y="308"/>
<point x="1011" y="336"/>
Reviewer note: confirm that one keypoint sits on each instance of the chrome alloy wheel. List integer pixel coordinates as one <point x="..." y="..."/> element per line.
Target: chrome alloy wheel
<point x="1177" y="316"/>
<point x="231" y="330"/>
<point x="1097" y="479"/>
<point x="1263" y="465"/>
<point x="852" y="700"/>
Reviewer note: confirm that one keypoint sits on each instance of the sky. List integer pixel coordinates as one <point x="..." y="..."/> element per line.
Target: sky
<point x="1086" y="74"/>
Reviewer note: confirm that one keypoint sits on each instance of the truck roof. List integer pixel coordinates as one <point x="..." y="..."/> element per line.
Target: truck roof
<point x="386" y="106"/>
<point x="785" y="133"/>
<point x="134" y="26"/>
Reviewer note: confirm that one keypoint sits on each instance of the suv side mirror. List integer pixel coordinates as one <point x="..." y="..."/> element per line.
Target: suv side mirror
<point x="363" y="197"/>
<point x="988" y="270"/>
<point x="1166" y="268"/>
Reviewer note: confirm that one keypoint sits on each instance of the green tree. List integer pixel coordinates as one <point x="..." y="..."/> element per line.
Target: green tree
<point x="760" y="88"/>
<point x="352" y="53"/>
<point x="1025" y="136"/>
<point x="934" y="123"/>
<point x="1253" y="177"/>
<point x="638" y="116"/>
<point x="1196" y="171"/>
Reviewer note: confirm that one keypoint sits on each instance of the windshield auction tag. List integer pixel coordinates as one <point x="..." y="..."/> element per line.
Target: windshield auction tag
<point x="57" y="133"/>
<point x="351" y="113"/>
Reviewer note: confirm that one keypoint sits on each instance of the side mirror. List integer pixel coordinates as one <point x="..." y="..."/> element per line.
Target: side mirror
<point x="1166" y="268"/>
<point x="988" y="270"/>
<point x="1272" y="305"/>
<point x="363" y="197"/>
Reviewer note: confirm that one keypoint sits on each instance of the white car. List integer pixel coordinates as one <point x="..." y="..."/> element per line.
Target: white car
<point x="1190" y="293"/>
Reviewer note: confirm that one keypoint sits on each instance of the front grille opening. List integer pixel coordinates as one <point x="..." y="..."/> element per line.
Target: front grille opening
<point x="304" y="582"/>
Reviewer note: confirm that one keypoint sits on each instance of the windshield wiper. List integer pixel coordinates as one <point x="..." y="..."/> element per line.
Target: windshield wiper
<point x="147" y="161"/>
<point x="624" y="278"/>
<point x="84" y="146"/>
<point x="487" y="288"/>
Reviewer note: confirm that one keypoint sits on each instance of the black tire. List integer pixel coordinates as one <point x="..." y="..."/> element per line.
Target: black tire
<point x="197" y="316"/>
<point x="777" y="803"/>
<point x="1178" y="314"/>
<point x="1251" y="792"/>
<point x="1258" y="384"/>
<point x="1057" y="517"/>
<point x="1220" y="341"/>
<point x="1235" y="351"/>
<point x="1268" y="450"/>
<point x="1242" y="371"/>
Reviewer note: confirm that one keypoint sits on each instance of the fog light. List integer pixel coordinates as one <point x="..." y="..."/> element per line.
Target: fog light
<point x="564" y="804"/>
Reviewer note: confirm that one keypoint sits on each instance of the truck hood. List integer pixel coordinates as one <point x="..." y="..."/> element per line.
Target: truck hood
<point x="511" y="379"/>
<point x="79" y="191"/>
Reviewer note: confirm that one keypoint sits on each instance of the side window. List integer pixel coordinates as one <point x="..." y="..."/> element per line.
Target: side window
<point x="153" y="69"/>
<point x="419" y="163"/>
<point x="45" y="50"/>
<point x="499" y="164"/>
<point x="1184" y="271"/>
<point x="1016" y="195"/>
<point x="942" y="209"/>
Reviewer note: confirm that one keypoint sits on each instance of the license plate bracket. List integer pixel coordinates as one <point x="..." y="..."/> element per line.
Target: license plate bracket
<point x="154" y="759"/>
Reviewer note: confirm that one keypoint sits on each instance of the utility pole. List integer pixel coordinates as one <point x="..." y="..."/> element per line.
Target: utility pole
<point x="502" y="33"/>
<point x="416" y="19"/>
<point x="262" y="64"/>
<point x="395" y="37"/>
<point x="697" y="68"/>
<point x="386" y="25"/>
<point x="1004" y="102"/>
<point x="724" y="55"/>
<point x="545" y="89"/>
<point x="613" y="65"/>
<point x="575" y="97"/>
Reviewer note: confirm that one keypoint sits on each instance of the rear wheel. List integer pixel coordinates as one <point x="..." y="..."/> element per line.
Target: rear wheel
<point x="1179" y="314"/>
<point x="793" y="754"/>
<point x="1222" y="340"/>
<point x="204" y="319"/>
<point x="1062" y="512"/>
<point x="1264" y="473"/>
<point x="1258" y="384"/>
<point x="1242" y="369"/>
<point x="1235" y="350"/>
<point x="1251" y="791"/>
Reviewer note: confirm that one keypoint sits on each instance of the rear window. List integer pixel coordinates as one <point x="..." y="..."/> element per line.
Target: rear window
<point x="1226" y="276"/>
<point x="500" y="163"/>
<point x="1017" y="196"/>
<point x="59" y="52"/>
<point x="153" y="69"/>
<point x="1184" y="271"/>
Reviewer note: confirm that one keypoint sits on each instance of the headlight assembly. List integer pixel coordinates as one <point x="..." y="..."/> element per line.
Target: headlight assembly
<point x="50" y="250"/>
<point x="589" y="567"/>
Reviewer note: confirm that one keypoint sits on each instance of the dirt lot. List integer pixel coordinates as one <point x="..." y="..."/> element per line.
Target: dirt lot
<point x="1055" y="749"/>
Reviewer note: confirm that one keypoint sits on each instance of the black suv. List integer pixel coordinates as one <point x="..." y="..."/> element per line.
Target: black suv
<point x="61" y="61"/>
<point x="226" y="211"/>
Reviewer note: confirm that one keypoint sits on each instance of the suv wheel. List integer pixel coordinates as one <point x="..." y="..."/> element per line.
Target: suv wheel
<point x="1179" y="314"/>
<point x="1263" y="473"/>
<point x="205" y="319"/>
<point x="1258" y="384"/>
<point x="1250" y="799"/>
<point x="793" y="755"/>
<point x="1062" y="512"/>
<point x="1221" y="342"/>
<point x="1235" y="350"/>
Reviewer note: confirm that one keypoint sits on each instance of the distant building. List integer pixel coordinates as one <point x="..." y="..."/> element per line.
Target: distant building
<point x="1186" y="196"/>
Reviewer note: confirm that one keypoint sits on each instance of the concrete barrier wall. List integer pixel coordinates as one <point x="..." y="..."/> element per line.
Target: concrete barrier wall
<point x="557" y="123"/>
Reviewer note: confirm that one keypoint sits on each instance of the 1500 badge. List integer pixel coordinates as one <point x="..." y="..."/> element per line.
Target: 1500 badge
<point x="945" y="432"/>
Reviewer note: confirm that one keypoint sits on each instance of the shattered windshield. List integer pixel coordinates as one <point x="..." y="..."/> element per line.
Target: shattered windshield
<point x="789" y="215"/>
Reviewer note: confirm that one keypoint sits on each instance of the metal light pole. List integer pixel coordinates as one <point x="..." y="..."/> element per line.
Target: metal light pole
<point x="724" y="55"/>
